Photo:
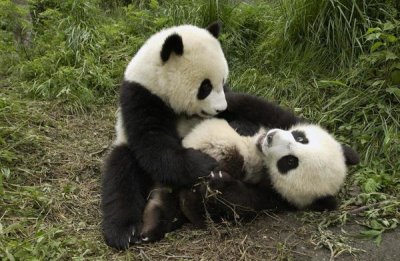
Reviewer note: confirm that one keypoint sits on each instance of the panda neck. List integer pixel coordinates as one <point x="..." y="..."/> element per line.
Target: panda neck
<point x="253" y="162"/>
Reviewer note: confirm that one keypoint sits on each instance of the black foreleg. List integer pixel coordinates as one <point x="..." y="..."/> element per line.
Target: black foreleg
<point x="124" y="191"/>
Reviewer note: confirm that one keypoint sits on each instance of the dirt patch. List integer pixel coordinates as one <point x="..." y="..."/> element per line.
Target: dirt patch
<point x="72" y="168"/>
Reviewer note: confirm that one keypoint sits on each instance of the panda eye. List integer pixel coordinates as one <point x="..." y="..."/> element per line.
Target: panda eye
<point x="287" y="163"/>
<point x="204" y="89"/>
<point x="300" y="137"/>
<point x="290" y="161"/>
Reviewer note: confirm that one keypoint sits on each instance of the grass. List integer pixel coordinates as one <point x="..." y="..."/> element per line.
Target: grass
<point x="334" y="62"/>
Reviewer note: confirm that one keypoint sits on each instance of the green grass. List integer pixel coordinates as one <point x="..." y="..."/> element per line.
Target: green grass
<point x="334" y="62"/>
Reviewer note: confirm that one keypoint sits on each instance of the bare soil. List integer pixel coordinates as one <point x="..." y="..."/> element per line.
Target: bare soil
<point x="76" y="147"/>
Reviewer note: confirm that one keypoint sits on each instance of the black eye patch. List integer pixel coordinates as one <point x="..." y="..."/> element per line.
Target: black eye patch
<point x="205" y="89"/>
<point x="287" y="163"/>
<point x="300" y="136"/>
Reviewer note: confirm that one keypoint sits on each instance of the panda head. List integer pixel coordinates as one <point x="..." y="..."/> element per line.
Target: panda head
<point x="307" y="166"/>
<point x="184" y="66"/>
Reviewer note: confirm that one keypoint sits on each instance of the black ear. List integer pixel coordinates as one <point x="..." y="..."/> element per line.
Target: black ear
<point x="173" y="43"/>
<point x="351" y="156"/>
<point x="324" y="203"/>
<point x="214" y="28"/>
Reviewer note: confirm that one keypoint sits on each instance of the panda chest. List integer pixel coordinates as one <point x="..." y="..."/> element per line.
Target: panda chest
<point x="185" y="124"/>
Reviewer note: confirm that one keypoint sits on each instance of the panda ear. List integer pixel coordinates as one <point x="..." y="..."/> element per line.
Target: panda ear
<point x="214" y="28"/>
<point x="173" y="43"/>
<point x="351" y="156"/>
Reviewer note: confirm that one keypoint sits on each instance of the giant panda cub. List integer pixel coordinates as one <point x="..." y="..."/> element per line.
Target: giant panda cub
<point x="300" y="168"/>
<point x="176" y="77"/>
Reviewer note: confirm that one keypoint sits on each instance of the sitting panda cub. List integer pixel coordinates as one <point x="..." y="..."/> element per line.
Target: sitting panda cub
<point x="300" y="168"/>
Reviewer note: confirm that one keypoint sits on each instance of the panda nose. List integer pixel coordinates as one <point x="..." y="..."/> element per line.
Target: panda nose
<point x="218" y="111"/>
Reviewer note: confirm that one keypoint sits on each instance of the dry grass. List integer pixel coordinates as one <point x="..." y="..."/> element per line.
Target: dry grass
<point x="53" y="211"/>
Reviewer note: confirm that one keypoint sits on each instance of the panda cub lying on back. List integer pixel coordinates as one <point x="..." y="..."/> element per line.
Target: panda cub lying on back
<point x="300" y="168"/>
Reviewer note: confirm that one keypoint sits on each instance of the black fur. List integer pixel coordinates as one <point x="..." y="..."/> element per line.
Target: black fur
<point x="152" y="136"/>
<point x="173" y="43"/>
<point x="214" y="29"/>
<point x="244" y="128"/>
<point x="287" y="163"/>
<point x="154" y="154"/>
<point x="257" y="111"/>
<point x="159" y="219"/>
<point x="235" y="200"/>
<point x="324" y="203"/>
<point x="300" y="136"/>
<point x="124" y="182"/>
<point x="204" y="89"/>
<point x="351" y="156"/>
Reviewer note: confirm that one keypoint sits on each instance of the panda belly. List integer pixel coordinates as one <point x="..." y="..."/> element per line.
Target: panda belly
<point x="236" y="155"/>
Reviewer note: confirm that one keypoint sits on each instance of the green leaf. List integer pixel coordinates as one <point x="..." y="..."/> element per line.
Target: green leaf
<point x="376" y="46"/>
<point x="373" y="36"/>
<point x="390" y="56"/>
<point x="371" y="233"/>
<point x="337" y="83"/>
<point x="395" y="66"/>
<point x="395" y="91"/>
<point x="388" y="26"/>
<point x="378" y="83"/>
<point x="395" y="76"/>
<point x="378" y="239"/>
<point x="5" y="172"/>
<point x="391" y="38"/>
<point x="373" y="30"/>
<point x="370" y="185"/>
<point x="1" y="186"/>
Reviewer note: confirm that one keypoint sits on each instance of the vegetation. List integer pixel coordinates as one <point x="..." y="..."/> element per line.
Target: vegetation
<point x="336" y="62"/>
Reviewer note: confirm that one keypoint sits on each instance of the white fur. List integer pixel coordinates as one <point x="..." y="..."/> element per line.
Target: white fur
<point x="121" y="138"/>
<point x="216" y="138"/>
<point x="186" y="124"/>
<point x="321" y="169"/>
<point x="177" y="80"/>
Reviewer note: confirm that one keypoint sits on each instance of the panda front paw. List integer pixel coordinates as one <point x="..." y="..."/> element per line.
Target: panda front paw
<point x="219" y="179"/>
<point x="200" y="165"/>
<point x="121" y="237"/>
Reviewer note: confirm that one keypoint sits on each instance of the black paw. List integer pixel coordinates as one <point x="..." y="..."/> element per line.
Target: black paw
<point x="149" y="236"/>
<point x="201" y="165"/>
<point x="219" y="179"/>
<point x="121" y="237"/>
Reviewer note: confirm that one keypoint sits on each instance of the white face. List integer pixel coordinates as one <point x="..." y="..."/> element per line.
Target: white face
<point x="304" y="163"/>
<point x="191" y="83"/>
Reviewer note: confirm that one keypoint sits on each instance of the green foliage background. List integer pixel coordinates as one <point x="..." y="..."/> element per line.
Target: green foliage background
<point x="335" y="62"/>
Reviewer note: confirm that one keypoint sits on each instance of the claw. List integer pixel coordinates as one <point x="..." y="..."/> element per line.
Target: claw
<point x="133" y="232"/>
<point x="220" y="174"/>
<point x="194" y="190"/>
<point x="145" y="239"/>
<point x="212" y="174"/>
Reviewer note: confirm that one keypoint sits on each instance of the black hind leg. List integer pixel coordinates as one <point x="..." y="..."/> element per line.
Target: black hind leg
<point x="124" y="190"/>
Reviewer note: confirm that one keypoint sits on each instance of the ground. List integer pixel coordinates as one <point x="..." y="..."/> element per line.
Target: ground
<point x="70" y="167"/>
